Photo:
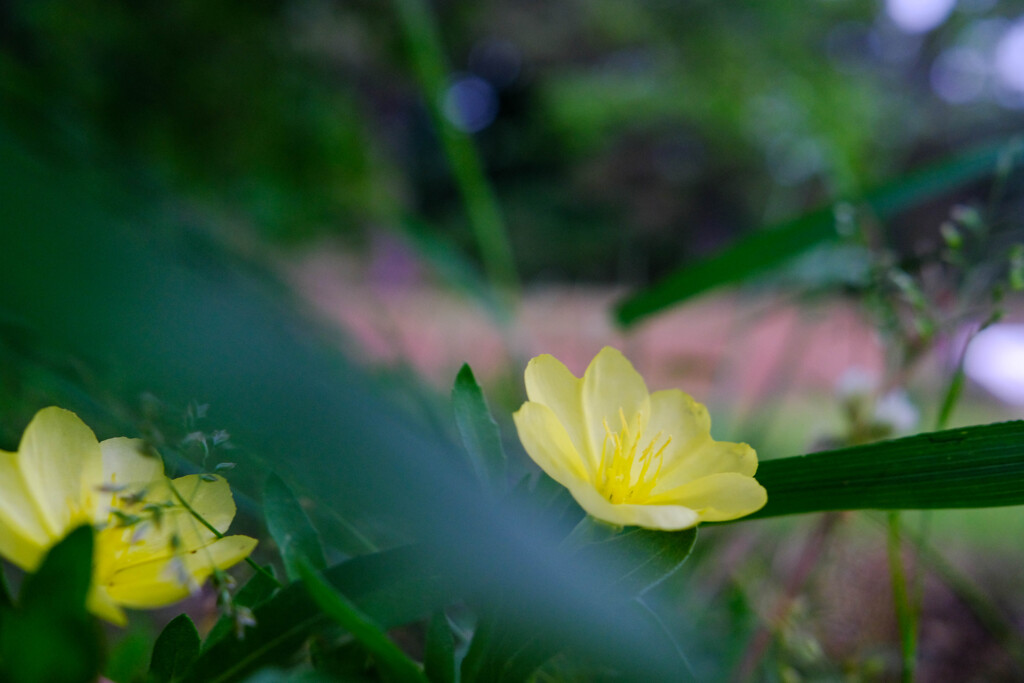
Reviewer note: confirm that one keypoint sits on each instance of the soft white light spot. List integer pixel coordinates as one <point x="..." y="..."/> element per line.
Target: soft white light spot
<point x="995" y="360"/>
<point x="470" y="103"/>
<point x="958" y="75"/>
<point x="1009" y="58"/>
<point x="896" y="410"/>
<point x="918" y="16"/>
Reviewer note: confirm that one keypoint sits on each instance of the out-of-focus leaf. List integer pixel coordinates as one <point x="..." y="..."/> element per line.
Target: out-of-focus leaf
<point x="291" y="529"/>
<point x="764" y="249"/>
<point x="971" y="467"/>
<point x="388" y="656"/>
<point x="479" y="431"/>
<point x="130" y="656"/>
<point x="393" y="587"/>
<point x="175" y="650"/>
<point x="51" y="636"/>
<point x="62" y="581"/>
<point x="439" y="658"/>
<point x="642" y="558"/>
<point x="637" y="559"/>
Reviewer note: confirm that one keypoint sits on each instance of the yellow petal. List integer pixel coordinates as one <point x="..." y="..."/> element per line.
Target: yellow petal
<point x="23" y="536"/>
<point x="677" y="415"/>
<point x="100" y="604"/>
<point x="130" y="462"/>
<point x="62" y="467"/>
<point x="127" y="463"/>
<point x="669" y="517"/>
<point x="720" y="497"/>
<point x="211" y="499"/>
<point x="611" y="385"/>
<point x="550" y="383"/>
<point x="547" y="442"/>
<point x="160" y="582"/>
<point x="712" y="457"/>
<point x="178" y="528"/>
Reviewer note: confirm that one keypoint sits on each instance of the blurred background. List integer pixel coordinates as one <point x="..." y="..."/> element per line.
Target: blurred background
<point x="420" y="184"/>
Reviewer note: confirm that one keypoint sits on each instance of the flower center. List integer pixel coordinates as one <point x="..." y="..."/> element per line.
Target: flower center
<point x="625" y="474"/>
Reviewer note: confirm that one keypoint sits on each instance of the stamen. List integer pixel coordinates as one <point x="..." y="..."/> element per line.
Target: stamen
<point x="615" y="478"/>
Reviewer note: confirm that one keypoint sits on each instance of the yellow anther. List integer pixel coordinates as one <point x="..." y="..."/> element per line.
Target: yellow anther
<point x="616" y="479"/>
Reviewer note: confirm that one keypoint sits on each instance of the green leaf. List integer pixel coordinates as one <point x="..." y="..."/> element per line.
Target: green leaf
<point x="291" y="529"/>
<point x="765" y="249"/>
<point x="392" y="588"/>
<point x="971" y="467"/>
<point x="51" y="636"/>
<point x="642" y="558"/>
<point x="175" y="650"/>
<point x="439" y="659"/>
<point x="479" y="431"/>
<point x="61" y="583"/>
<point x="335" y="605"/>
<point x="130" y="655"/>
<point x="638" y="560"/>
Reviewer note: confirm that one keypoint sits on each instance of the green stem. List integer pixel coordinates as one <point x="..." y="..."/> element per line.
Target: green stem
<point x="216" y="532"/>
<point x="905" y="617"/>
<point x="980" y="605"/>
<point x="427" y="56"/>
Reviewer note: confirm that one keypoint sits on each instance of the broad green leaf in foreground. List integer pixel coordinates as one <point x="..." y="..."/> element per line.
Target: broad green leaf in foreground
<point x="971" y="467"/>
<point x="175" y="650"/>
<point x="439" y="655"/>
<point x="339" y="608"/>
<point x="637" y="560"/>
<point x="765" y="249"/>
<point x="291" y="529"/>
<point x="51" y="636"/>
<point x="479" y="431"/>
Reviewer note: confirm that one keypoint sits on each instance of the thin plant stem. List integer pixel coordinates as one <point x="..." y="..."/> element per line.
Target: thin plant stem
<point x="427" y="57"/>
<point x="905" y="616"/>
<point x="970" y="594"/>
<point x="812" y="551"/>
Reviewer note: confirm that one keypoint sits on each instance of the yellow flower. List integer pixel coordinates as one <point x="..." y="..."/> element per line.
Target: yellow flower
<point x="629" y="457"/>
<point x="150" y="550"/>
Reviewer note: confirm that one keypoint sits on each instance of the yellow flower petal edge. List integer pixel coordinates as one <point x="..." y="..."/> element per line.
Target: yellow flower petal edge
<point x="150" y="551"/>
<point x="630" y="457"/>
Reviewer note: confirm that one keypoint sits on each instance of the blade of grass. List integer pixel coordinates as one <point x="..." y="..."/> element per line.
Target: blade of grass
<point x="427" y="57"/>
<point x="764" y="249"/>
<point x="979" y="466"/>
<point x="335" y="605"/>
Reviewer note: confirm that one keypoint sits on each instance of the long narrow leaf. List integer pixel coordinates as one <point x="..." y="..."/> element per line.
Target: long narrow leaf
<point x="339" y="608"/>
<point x="767" y="248"/>
<point x="972" y="467"/>
<point x="290" y="528"/>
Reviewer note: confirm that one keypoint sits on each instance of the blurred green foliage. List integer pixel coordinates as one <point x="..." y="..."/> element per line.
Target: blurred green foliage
<point x="627" y="137"/>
